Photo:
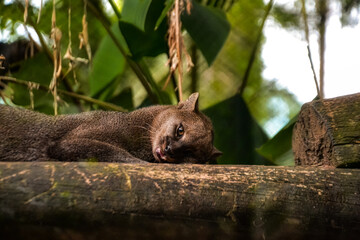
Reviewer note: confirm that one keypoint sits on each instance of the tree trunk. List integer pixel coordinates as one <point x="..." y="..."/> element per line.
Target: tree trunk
<point x="112" y="200"/>
<point x="327" y="133"/>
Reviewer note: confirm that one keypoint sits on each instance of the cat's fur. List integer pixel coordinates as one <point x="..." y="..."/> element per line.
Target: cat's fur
<point x="174" y="134"/>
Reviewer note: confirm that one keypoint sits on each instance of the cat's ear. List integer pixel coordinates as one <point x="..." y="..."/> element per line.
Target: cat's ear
<point x="214" y="155"/>
<point x="191" y="104"/>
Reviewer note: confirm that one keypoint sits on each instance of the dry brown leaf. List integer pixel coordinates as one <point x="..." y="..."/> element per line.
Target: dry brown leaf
<point x="26" y="10"/>
<point x="39" y="13"/>
<point x="176" y="43"/>
<point x="2" y="60"/>
<point x="83" y="35"/>
<point x="31" y="86"/>
<point x="56" y="36"/>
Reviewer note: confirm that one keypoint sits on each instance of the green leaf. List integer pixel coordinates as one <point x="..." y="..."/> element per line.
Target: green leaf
<point x="142" y="44"/>
<point x="208" y="27"/>
<point x="150" y="42"/>
<point x="278" y="149"/>
<point x="135" y="12"/>
<point x="124" y="99"/>
<point x="108" y="62"/>
<point x="168" y="5"/>
<point x="37" y="69"/>
<point x="237" y="134"/>
<point x="147" y="101"/>
<point x="288" y="18"/>
<point x="10" y="14"/>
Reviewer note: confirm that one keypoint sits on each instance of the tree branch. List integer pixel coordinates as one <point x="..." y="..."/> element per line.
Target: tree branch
<point x="66" y="93"/>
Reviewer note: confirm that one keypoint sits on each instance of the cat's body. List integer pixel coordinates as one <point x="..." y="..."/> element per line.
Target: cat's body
<point x="153" y="134"/>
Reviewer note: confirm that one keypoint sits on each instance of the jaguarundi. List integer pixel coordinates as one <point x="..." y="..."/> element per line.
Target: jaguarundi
<point x="163" y="133"/>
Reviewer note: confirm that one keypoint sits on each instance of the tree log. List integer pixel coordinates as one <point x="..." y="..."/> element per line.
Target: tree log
<point x="327" y="133"/>
<point x="112" y="200"/>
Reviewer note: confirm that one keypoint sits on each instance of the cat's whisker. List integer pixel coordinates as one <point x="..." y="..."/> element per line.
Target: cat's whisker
<point x="146" y="129"/>
<point x="152" y="128"/>
<point x="144" y="137"/>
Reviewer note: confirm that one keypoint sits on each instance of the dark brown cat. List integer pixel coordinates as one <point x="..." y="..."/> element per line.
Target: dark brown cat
<point x="171" y="134"/>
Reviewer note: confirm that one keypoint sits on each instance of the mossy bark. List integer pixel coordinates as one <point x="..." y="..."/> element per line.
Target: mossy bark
<point x="327" y="133"/>
<point x="157" y="200"/>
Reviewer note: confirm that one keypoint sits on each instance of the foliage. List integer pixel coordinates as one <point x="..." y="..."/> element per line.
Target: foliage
<point x="208" y="27"/>
<point x="242" y="134"/>
<point x="141" y="36"/>
<point x="347" y="6"/>
<point x="278" y="149"/>
<point x="108" y="63"/>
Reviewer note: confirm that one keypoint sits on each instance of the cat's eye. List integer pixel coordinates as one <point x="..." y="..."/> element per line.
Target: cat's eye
<point x="180" y="131"/>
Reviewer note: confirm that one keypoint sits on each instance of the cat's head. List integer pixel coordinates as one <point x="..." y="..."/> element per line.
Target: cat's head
<point x="184" y="135"/>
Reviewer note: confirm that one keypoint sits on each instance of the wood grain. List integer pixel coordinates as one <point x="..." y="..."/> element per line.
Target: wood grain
<point x="327" y="133"/>
<point x="175" y="200"/>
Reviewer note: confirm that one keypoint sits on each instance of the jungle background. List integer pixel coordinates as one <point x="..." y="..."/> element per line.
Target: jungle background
<point x="77" y="56"/>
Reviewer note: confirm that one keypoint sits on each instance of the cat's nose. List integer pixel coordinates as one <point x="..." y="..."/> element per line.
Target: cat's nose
<point x="167" y="148"/>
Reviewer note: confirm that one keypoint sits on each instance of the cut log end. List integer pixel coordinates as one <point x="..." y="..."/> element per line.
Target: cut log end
<point x="327" y="133"/>
<point x="312" y="144"/>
